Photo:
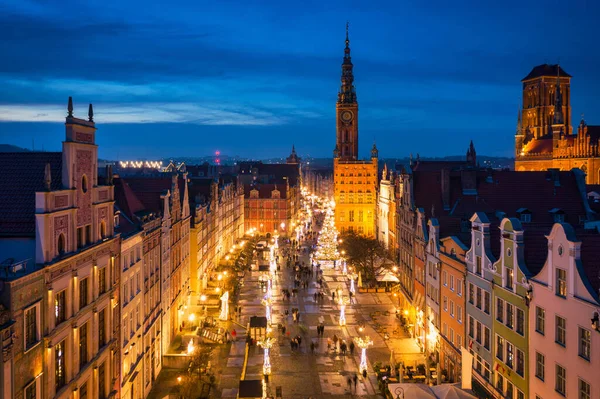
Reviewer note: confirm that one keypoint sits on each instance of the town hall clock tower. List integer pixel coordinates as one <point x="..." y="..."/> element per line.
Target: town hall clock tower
<point x="354" y="180"/>
<point x="347" y="111"/>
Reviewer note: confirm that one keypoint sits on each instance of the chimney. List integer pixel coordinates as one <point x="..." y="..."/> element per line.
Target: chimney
<point x="445" y="181"/>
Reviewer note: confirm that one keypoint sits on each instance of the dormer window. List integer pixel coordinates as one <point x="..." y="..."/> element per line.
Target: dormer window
<point x="524" y="215"/>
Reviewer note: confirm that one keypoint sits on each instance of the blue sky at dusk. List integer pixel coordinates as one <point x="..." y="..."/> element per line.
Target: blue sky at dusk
<point x="251" y="78"/>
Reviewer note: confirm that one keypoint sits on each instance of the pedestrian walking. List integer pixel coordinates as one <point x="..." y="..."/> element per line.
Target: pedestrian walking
<point x="349" y="383"/>
<point x="352" y="348"/>
<point x="355" y="378"/>
<point x="233" y="335"/>
<point x="312" y="348"/>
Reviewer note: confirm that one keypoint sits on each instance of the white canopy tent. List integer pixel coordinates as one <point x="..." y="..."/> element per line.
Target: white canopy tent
<point x="422" y="391"/>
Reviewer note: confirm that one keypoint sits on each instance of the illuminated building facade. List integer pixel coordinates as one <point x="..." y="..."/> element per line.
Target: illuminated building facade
<point x="355" y="181"/>
<point x="140" y="231"/>
<point x="59" y="226"/>
<point x="166" y="195"/>
<point x="218" y="223"/>
<point x="544" y="138"/>
<point x="452" y="308"/>
<point x="386" y="211"/>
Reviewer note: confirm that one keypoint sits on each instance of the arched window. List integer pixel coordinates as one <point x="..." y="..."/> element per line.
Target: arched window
<point x="103" y="229"/>
<point x="61" y="245"/>
<point x="84" y="184"/>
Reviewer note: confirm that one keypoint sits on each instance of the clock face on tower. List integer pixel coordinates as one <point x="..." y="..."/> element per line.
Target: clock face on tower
<point x="347" y="116"/>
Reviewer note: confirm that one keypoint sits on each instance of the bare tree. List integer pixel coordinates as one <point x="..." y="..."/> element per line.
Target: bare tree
<point x="362" y="253"/>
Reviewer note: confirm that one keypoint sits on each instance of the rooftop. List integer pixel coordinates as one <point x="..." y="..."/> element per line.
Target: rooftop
<point x="22" y="176"/>
<point x="546" y="70"/>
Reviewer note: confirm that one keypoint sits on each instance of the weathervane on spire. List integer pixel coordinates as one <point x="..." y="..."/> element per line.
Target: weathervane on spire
<point x="347" y="40"/>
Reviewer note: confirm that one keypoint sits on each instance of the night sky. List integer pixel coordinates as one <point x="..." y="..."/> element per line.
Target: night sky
<point x="251" y="78"/>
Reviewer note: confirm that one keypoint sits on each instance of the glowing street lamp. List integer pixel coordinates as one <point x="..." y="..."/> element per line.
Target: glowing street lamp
<point x="343" y="302"/>
<point x="266" y="343"/>
<point x="363" y="343"/>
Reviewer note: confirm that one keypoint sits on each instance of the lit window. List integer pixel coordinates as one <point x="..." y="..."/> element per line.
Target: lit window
<point x="584" y="343"/>
<point x="561" y="283"/>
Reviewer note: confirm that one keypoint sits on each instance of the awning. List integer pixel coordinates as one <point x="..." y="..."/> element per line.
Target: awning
<point x="387" y="277"/>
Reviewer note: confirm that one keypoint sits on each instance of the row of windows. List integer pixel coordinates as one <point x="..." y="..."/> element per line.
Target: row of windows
<point x="510" y="355"/>
<point x="449" y="333"/>
<point x="458" y="286"/>
<point x="479" y="332"/>
<point x="60" y="299"/>
<point x="560" y="378"/>
<point x="480" y="298"/>
<point x="584" y="337"/>
<point x="507" y="388"/>
<point x="510" y="315"/>
<point x="450" y="309"/>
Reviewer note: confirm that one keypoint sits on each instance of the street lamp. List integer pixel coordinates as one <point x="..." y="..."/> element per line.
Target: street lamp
<point x="363" y="343"/>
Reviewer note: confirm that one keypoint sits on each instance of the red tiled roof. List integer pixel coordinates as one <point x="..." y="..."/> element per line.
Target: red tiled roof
<point x="149" y="189"/>
<point x="546" y="70"/>
<point x="22" y="175"/>
<point x="499" y="191"/>
<point x="126" y="199"/>
<point x="438" y="165"/>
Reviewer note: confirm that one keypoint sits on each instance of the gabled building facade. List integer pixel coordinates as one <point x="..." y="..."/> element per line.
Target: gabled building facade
<point x="564" y="326"/>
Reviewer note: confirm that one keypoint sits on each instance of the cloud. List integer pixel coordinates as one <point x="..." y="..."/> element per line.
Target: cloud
<point x="215" y="114"/>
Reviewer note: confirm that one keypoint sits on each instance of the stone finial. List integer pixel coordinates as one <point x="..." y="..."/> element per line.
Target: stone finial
<point x="91" y="113"/>
<point x="70" y="107"/>
<point x="48" y="177"/>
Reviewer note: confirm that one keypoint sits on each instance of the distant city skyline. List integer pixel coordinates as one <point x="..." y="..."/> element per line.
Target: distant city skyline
<point x="251" y="80"/>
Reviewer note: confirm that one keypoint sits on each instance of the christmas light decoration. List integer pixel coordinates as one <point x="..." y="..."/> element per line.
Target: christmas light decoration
<point x="343" y="302"/>
<point x="266" y="302"/>
<point x="363" y="343"/>
<point x="266" y="343"/>
<point x="327" y="243"/>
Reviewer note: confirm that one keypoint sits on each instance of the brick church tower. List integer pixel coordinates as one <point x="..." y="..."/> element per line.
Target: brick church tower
<point x="544" y="138"/>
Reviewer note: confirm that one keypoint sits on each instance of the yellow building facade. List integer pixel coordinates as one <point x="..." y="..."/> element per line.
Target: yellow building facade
<point x="544" y="137"/>
<point x="355" y="181"/>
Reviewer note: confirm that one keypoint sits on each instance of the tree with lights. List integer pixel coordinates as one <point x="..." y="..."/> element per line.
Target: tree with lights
<point x="327" y="243"/>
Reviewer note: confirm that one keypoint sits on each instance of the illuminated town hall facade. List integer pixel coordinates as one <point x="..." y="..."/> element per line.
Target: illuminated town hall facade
<point x="544" y="137"/>
<point x="355" y="181"/>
